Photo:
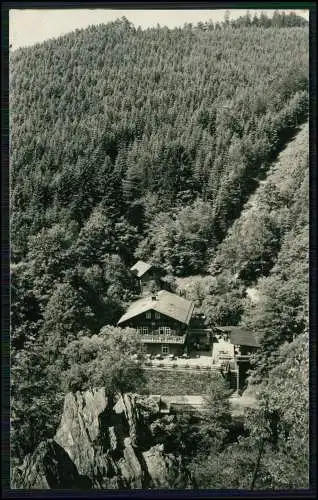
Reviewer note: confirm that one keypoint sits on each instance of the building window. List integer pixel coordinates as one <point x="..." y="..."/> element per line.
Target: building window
<point x="161" y="330"/>
<point x="148" y="315"/>
<point x="157" y="315"/>
<point x="165" y="349"/>
<point x="167" y="330"/>
<point x="145" y="330"/>
<point x="138" y="329"/>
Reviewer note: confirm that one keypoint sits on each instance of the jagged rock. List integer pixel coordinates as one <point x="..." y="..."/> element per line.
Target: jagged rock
<point x="99" y="444"/>
<point x="112" y="439"/>
<point x="157" y="466"/>
<point x="127" y="405"/>
<point x="130" y="467"/>
<point x="165" y="471"/>
<point x="80" y="429"/>
<point x="48" y="467"/>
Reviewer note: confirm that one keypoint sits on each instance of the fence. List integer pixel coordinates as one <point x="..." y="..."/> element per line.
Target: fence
<point x="182" y="368"/>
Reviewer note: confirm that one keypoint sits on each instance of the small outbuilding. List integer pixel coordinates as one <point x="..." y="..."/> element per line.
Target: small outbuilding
<point x="242" y="338"/>
<point x="148" y="276"/>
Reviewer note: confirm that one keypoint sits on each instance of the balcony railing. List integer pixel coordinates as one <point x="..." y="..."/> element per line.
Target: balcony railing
<point x="200" y="331"/>
<point x="225" y="357"/>
<point x="243" y="357"/>
<point x="163" y="339"/>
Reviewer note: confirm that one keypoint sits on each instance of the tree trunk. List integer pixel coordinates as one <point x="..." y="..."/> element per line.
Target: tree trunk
<point x="261" y="448"/>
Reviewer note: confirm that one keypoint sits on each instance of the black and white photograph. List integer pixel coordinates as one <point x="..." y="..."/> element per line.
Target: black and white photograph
<point x="159" y="249"/>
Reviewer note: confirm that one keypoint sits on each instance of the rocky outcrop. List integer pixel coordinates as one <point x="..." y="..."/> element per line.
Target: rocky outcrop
<point x="102" y="443"/>
<point x="48" y="467"/>
<point x="161" y="467"/>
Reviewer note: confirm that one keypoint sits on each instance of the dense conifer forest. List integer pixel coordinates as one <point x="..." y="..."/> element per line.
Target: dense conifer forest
<point x="128" y="143"/>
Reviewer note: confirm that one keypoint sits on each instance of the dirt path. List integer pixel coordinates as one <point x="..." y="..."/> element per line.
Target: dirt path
<point x="278" y="174"/>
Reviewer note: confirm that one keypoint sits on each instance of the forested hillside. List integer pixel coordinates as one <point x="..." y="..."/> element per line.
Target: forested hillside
<point x="267" y="251"/>
<point x="113" y="125"/>
<point x="129" y="143"/>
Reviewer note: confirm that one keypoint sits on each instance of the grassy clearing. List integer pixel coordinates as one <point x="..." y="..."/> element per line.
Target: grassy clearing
<point x="176" y="383"/>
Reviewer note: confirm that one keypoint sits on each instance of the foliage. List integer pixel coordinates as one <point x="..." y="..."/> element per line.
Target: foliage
<point x="230" y="469"/>
<point x="259" y="234"/>
<point x="216" y="418"/>
<point x="283" y="417"/>
<point x="282" y="313"/>
<point x="251" y="246"/>
<point x="41" y="375"/>
<point x="36" y="399"/>
<point x="191" y="434"/>
<point x="195" y="288"/>
<point x="275" y="452"/>
<point x="281" y="420"/>
<point x="224" y="303"/>
<point x="278" y="20"/>
<point x="104" y="360"/>
<point x="179" y="240"/>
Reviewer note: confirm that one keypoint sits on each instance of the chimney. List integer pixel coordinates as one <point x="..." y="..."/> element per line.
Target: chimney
<point x="154" y="297"/>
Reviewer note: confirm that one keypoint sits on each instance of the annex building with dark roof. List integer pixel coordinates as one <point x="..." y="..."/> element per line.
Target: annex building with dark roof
<point x="239" y="336"/>
<point x="149" y="277"/>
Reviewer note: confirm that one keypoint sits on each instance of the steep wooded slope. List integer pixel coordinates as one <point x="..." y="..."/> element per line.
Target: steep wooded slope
<point x="253" y="242"/>
<point x="268" y="248"/>
<point x="264" y="255"/>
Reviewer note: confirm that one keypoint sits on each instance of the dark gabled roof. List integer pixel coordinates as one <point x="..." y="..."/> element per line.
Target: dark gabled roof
<point x="140" y="268"/>
<point x="240" y="335"/>
<point x="166" y="303"/>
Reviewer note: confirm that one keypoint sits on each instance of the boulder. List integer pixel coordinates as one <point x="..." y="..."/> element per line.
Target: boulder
<point x="48" y="467"/>
<point x="100" y="443"/>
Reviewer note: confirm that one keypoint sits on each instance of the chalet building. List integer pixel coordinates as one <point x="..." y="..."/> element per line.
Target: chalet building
<point x="150" y="278"/>
<point x="162" y="319"/>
